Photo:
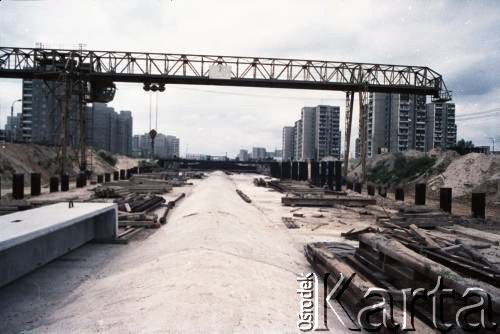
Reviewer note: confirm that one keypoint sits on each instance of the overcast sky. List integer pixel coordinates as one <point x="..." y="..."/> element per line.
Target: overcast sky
<point x="459" y="39"/>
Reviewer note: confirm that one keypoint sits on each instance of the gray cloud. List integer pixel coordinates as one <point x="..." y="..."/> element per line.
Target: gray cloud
<point x="456" y="38"/>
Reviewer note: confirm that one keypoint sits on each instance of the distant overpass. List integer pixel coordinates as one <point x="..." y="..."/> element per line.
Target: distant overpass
<point x="229" y="165"/>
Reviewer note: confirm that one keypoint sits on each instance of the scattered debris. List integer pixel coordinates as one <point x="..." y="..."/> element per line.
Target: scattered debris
<point x="244" y="196"/>
<point x="289" y="222"/>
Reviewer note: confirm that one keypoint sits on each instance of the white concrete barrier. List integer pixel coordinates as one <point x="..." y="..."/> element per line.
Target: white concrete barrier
<point x="29" y="239"/>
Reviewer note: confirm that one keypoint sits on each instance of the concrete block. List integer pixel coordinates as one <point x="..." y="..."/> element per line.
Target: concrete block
<point x="30" y="239"/>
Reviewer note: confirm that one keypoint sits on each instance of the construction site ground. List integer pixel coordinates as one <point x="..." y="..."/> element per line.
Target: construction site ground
<point x="219" y="265"/>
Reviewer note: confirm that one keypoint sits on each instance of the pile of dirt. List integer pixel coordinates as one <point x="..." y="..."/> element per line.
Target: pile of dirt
<point x="474" y="172"/>
<point x="24" y="158"/>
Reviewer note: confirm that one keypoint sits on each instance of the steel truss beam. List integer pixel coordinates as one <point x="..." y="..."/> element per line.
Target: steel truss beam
<point x="241" y="71"/>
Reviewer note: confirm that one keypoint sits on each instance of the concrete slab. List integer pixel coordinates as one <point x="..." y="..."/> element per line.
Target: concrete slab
<point x="31" y="238"/>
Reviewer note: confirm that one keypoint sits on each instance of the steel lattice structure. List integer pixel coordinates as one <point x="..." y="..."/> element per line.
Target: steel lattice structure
<point x="190" y="69"/>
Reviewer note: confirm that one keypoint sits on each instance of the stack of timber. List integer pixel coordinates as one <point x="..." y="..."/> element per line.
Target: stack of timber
<point x="399" y="257"/>
<point x="299" y="188"/>
<point x="126" y="219"/>
<point x="259" y="182"/>
<point x="316" y="200"/>
<point x="422" y="216"/>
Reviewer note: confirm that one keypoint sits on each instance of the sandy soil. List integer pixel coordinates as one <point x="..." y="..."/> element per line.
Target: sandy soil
<point x="220" y="265"/>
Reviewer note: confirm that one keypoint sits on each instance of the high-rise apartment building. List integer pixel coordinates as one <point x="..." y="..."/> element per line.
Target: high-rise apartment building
<point x="441" y="127"/>
<point x="108" y="130"/>
<point x="327" y="132"/>
<point x="165" y="147"/>
<point x="288" y="143"/>
<point x="43" y="105"/>
<point x="297" y="140"/>
<point x="316" y="134"/>
<point x="258" y="153"/>
<point x="243" y="155"/>
<point x="395" y="123"/>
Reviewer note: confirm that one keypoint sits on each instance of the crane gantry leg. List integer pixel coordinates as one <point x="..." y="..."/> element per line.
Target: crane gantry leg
<point x="363" y="129"/>
<point x="349" y="102"/>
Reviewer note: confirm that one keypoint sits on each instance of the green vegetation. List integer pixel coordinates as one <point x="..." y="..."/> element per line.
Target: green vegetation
<point x="463" y="147"/>
<point x="403" y="169"/>
<point x="108" y="157"/>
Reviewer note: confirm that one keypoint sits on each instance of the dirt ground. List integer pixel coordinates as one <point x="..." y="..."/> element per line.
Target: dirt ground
<point x="219" y="265"/>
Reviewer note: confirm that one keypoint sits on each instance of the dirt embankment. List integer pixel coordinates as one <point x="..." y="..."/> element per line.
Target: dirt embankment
<point x="23" y="158"/>
<point x="465" y="174"/>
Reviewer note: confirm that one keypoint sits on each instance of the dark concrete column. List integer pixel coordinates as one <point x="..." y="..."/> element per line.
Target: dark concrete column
<point x="285" y="170"/>
<point x="370" y="189"/>
<point x="314" y="172"/>
<point x="129" y="173"/>
<point x="116" y="175"/>
<point x="54" y="184"/>
<point x="331" y="174"/>
<point x="100" y="178"/>
<point x="382" y="191"/>
<point x="420" y="190"/>
<point x="323" y="173"/>
<point x="36" y="186"/>
<point x="81" y="180"/>
<point x="107" y="177"/>
<point x="18" y="186"/>
<point x="338" y="175"/>
<point x="274" y="169"/>
<point x="303" y="171"/>
<point x="295" y="170"/>
<point x="445" y="199"/>
<point x="349" y="185"/>
<point x="399" y="194"/>
<point x="65" y="182"/>
<point x="358" y="187"/>
<point x="122" y="174"/>
<point x="479" y="205"/>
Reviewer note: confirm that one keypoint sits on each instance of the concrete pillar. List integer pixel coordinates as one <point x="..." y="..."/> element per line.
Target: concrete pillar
<point x="285" y="170"/>
<point x="295" y="170"/>
<point x="445" y="199"/>
<point x="314" y="166"/>
<point x="65" y="182"/>
<point x="479" y="205"/>
<point x="54" y="184"/>
<point x="358" y="187"/>
<point x="100" y="178"/>
<point x="382" y="191"/>
<point x="338" y="175"/>
<point x="420" y="190"/>
<point x="349" y="185"/>
<point x="107" y="177"/>
<point x="116" y="176"/>
<point x="274" y="169"/>
<point x="370" y="189"/>
<point x="129" y="173"/>
<point x="323" y="173"/>
<point x="81" y="180"/>
<point x="303" y="171"/>
<point x="399" y="194"/>
<point x="36" y="186"/>
<point x="18" y="186"/>
<point x="122" y="174"/>
<point x="331" y="174"/>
